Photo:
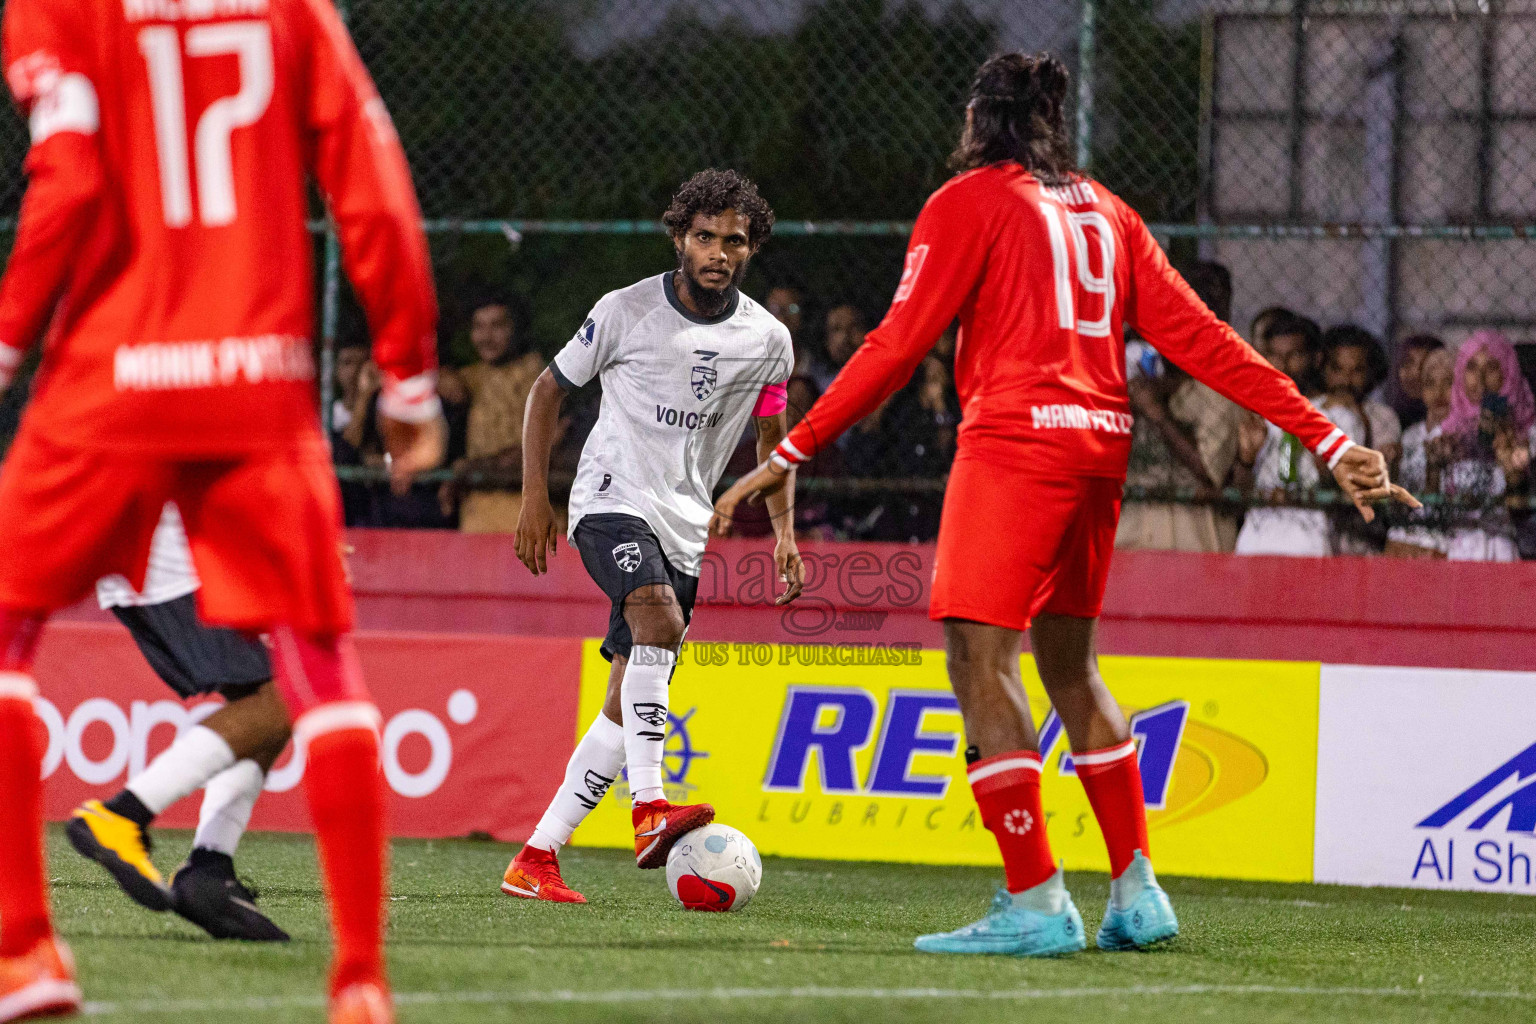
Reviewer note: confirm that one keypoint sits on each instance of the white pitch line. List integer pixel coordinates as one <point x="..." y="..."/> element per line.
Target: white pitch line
<point x="1345" y="905"/>
<point x="569" y="996"/>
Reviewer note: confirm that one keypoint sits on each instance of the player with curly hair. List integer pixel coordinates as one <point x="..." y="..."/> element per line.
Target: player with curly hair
<point x="685" y="360"/>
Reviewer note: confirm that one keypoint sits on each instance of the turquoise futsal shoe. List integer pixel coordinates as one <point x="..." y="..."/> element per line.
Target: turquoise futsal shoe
<point x="1139" y="913"/>
<point x="1037" y="922"/>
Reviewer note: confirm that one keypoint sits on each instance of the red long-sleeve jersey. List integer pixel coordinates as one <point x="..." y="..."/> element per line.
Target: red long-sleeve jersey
<point x="162" y="243"/>
<point x="1043" y="281"/>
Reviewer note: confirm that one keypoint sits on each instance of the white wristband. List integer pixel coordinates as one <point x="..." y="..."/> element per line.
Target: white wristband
<point x="10" y="358"/>
<point x="412" y="400"/>
<point x="781" y="462"/>
<point x="1333" y="460"/>
<point x="789" y="453"/>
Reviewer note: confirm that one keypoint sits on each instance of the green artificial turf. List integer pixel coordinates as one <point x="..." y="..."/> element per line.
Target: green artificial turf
<point x="822" y="942"/>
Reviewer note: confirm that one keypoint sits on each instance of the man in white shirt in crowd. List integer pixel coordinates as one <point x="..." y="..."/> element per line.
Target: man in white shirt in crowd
<point x="1276" y="463"/>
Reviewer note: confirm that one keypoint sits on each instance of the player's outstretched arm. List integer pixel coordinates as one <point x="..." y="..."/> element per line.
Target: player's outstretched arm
<point x="56" y="214"/>
<point x="536" y="539"/>
<point x="945" y="259"/>
<point x="1168" y="313"/>
<point x="361" y="170"/>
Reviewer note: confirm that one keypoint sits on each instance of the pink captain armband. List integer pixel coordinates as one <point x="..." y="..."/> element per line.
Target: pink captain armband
<point x="772" y="400"/>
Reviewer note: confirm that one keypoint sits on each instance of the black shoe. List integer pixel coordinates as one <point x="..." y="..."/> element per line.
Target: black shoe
<point x="206" y="892"/>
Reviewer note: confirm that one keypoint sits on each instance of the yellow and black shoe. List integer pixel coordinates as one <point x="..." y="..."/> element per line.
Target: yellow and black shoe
<point x="121" y="846"/>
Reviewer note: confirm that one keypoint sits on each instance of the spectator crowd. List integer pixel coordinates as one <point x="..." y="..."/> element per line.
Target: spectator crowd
<point x="1457" y="425"/>
<point x="1458" y="428"/>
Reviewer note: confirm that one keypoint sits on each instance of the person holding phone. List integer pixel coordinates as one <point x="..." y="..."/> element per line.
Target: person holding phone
<point x="1484" y="448"/>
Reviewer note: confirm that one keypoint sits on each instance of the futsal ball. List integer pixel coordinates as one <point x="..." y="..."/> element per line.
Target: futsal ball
<point x="714" y="868"/>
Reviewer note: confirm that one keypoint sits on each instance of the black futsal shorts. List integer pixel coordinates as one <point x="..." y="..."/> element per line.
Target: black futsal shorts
<point x="193" y="658"/>
<point x="622" y="554"/>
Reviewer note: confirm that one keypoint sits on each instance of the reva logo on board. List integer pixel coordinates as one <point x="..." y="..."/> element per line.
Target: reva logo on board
<point x="828" y="726"/>
<point x="1507" y="792"/>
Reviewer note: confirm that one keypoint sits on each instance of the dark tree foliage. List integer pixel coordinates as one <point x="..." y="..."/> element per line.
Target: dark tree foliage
<point x="1147" y="105"/>
<point x="505" y="114"/>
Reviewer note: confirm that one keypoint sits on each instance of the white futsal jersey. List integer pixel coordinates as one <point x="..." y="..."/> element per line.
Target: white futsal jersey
<point x="678" y="392"/>
<point x="170" y="574"/>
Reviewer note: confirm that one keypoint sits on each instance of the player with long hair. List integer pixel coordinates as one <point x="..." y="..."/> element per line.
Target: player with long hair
<point x="1045" y="268"/>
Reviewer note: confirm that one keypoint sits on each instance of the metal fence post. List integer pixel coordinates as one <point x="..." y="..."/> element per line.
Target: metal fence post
<point x="330" y="306"/>
<point x="1085" y="83"/>
<point x="330" y="302"/>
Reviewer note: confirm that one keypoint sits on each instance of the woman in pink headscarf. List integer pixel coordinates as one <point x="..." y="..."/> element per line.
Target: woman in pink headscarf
<point x="1484" y="448"/>
<point x="1486" y="366"/>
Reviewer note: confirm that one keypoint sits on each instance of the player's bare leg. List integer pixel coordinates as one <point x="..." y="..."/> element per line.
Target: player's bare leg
<point x="1034" y="915"/>
<point x="1066" y="655"/>
<point x="37" y="975"/>
<point x="230" y="752"/>
<point x="983" y="664"/>
<point x="336" y="721"/>
<point x="613" y="703"/>
<point x="655" y="620"/>
<point x="1067" y="658"/>
<point x="594" y="765"/>
<point x="255" y="727"/>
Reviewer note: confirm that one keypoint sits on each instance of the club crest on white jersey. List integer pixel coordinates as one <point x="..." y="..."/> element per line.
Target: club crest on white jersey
<point x="679" y="390"/>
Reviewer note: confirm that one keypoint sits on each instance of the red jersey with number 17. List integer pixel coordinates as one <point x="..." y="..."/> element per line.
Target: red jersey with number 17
<point x="163" y="243"/>
<point x="1044" y="280"/>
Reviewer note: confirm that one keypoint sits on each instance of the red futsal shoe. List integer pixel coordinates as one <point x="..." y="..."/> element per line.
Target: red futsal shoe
<point x="39" y="983"/>
<point x="659" y="825"/>
<point x="534" y="874"/>
<point x="365" y="1002"/>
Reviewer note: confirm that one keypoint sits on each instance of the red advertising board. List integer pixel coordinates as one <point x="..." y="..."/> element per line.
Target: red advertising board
<point x="477" y="729"/>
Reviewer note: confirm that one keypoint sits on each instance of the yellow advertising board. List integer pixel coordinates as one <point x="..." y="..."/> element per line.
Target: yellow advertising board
<point x="857" y="754"/>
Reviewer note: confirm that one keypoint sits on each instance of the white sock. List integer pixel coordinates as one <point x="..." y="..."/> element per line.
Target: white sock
<point x="197" y="756"/>
<point x="596" y="762"/>
<point x="1049" y="897"/>
<point x="227" y="806"/>
<point x="644" y="692"/>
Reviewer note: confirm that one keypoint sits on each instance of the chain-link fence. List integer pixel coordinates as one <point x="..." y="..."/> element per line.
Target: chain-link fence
<point x="1358" y="162"/>
<point x="1363" y="162"/>
<point x="547" y="138"/>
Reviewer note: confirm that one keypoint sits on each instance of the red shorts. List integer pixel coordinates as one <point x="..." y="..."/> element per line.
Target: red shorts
<point x="1013" y="544"/>
<point x="265" y="530"/>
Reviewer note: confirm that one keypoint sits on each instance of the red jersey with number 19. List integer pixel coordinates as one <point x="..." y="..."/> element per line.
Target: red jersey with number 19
<point x="1044" y="281"/>
<point x="163" y="240"/>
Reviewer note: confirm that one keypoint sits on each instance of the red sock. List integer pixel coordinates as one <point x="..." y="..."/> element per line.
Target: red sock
<point x="346" y="799"/>
<point x="24" y="917"/>
<point x="337" y="724"/>
<point x="1112" y="778"/>
<point x="1007" y="789"/>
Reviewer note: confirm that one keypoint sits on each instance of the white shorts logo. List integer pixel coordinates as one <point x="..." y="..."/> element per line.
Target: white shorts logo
<point x="628" y="556"/>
